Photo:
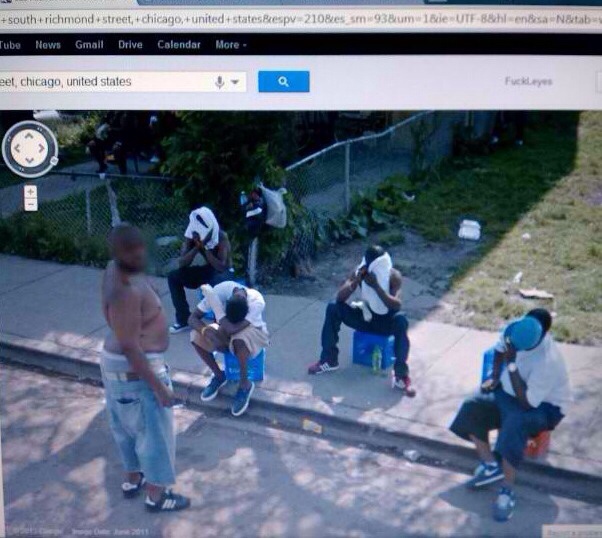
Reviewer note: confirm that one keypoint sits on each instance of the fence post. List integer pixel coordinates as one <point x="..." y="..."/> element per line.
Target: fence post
<point x="252" y="254"/>
<point x="115" y="217"/>
<point x="88" y="212"/>
<point x="347" y="176"/>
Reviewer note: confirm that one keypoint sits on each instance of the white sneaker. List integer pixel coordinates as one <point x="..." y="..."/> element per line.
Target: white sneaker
<point x="177" y="328"/>
<point x="321" y="368"/>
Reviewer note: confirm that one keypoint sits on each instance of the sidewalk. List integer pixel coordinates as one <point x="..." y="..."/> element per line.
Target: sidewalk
<point x="55" y="308"/>
<point x="245" y="479"/>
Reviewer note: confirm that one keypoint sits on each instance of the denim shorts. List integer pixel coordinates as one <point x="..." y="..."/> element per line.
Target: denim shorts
<point x="143" y="429"/>
<point x="482" y="413"/>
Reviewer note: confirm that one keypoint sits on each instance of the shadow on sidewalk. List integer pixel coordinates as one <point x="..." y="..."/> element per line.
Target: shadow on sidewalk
<point x="498" y="189"/>
<point x="525" y="522"/>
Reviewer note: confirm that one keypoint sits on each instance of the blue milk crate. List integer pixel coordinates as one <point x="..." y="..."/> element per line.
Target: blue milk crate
<point x="487" y="368"/>
<point x="363" y="347"/>
<point x="255" y="367"/>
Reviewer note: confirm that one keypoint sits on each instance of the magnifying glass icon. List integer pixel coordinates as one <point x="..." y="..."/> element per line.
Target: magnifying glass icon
<point x="283" y="81"/>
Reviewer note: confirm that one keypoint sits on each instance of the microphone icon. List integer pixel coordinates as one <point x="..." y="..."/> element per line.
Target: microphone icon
<point x="219" y="82"/>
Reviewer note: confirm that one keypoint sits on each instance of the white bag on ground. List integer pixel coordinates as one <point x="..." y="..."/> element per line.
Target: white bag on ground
<point x="274" y="201"/>
<point x="469" y="229"/>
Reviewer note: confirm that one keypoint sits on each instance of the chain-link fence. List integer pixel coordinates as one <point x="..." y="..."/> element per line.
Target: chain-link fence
<point x="77" y="210"/>
<point x="326" y="182"/>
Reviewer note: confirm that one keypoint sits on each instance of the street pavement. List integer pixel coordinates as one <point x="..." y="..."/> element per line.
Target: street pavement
<point x="62" y="476"/>
<point x="56" y="308"/>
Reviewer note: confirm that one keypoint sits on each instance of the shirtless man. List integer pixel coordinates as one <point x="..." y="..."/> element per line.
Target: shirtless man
<point x="138" y="390"/>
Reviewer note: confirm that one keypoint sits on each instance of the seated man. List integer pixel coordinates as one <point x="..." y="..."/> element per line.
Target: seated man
<point x="239" y="327"/>
<point x="206" y="258"/>
<point x="528" y="393"/>
<point x="378" y="313"/>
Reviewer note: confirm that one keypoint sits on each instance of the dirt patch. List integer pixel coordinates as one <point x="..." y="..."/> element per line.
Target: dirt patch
<point x="427" y="269"/>
<point x="595" y="197"/>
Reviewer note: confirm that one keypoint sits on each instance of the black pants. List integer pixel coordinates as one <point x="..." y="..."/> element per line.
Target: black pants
<point x="502" y="119"/>
<point x="98" y="150"/>
<point x="392" y="324"/>
<point x="191" y="277"/>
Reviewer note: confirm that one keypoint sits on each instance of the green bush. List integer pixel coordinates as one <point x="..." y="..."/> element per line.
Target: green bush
<point x="30" y="236"/>
<point x="219" y="155"/>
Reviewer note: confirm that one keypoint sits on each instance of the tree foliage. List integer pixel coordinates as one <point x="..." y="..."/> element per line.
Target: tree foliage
<point x="219" y="154"/>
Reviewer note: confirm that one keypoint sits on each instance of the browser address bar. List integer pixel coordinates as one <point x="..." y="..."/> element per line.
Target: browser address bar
<point x="385" y="18"/>
<point x="123" y="81"/>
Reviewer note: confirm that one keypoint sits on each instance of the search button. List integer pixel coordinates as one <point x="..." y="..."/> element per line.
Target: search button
<point x="283" y="81"/>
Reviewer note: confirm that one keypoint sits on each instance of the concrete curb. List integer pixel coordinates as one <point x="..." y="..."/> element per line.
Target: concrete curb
<point x="71" y="362"/>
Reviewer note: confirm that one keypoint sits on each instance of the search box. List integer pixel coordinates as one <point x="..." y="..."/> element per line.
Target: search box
<point x="283" y="81"/>
<point x="123" y="81"/>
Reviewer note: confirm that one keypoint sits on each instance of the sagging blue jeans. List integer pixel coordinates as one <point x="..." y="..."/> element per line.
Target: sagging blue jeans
<point x="482" y="413"/>
<point x="143" y="429"/>
<point x="391" y="324"/>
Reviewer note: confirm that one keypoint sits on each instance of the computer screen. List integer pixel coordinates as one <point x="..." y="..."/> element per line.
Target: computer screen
<point x="301" y="268"/>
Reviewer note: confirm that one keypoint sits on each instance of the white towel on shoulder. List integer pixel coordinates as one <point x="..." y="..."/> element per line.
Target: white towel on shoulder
<point x="213" y="301"/>
<point x="207" y="223"/>
<point x="381" y="267"/>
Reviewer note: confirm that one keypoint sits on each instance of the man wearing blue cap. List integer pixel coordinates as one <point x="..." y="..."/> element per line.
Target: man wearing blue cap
<point x="528" y="393"/>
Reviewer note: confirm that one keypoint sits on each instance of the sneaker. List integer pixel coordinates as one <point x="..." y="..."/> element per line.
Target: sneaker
<point x="241" y="400"/>
<point x="177" y="328"/>
<point x="405" y="384"/>
<point x="211" y="390"/>
<point x="503" y="508"/>
<point x="486" y="473"/>
<point x="130" y="490"/>
<point x="322" y="367"/>
<point x="169" y="502"/>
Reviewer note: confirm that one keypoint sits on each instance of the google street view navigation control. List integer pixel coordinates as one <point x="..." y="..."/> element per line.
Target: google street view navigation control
<point x="30" y="149"/>
<point x="301" y="268"/>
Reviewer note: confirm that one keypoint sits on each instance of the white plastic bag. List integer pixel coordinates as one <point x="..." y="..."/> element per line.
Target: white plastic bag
<point x="274" y="201"/>
<point x="470" y="229"/>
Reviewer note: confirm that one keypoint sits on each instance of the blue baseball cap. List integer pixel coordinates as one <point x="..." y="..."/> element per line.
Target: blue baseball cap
<point x="524" y="333"/>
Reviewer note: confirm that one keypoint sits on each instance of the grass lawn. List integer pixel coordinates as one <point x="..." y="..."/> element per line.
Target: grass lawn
<point x="563" y="255"/>
<point x="550" y="189"/>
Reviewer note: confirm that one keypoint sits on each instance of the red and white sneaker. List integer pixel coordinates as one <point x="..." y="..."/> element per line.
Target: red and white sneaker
<point x="404" y="384"/>
<point x="321" y="368"/>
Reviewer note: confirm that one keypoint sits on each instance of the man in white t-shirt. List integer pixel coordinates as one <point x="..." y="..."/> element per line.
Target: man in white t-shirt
<point x="529" y="392"/>
<point x="239" y="327"/>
